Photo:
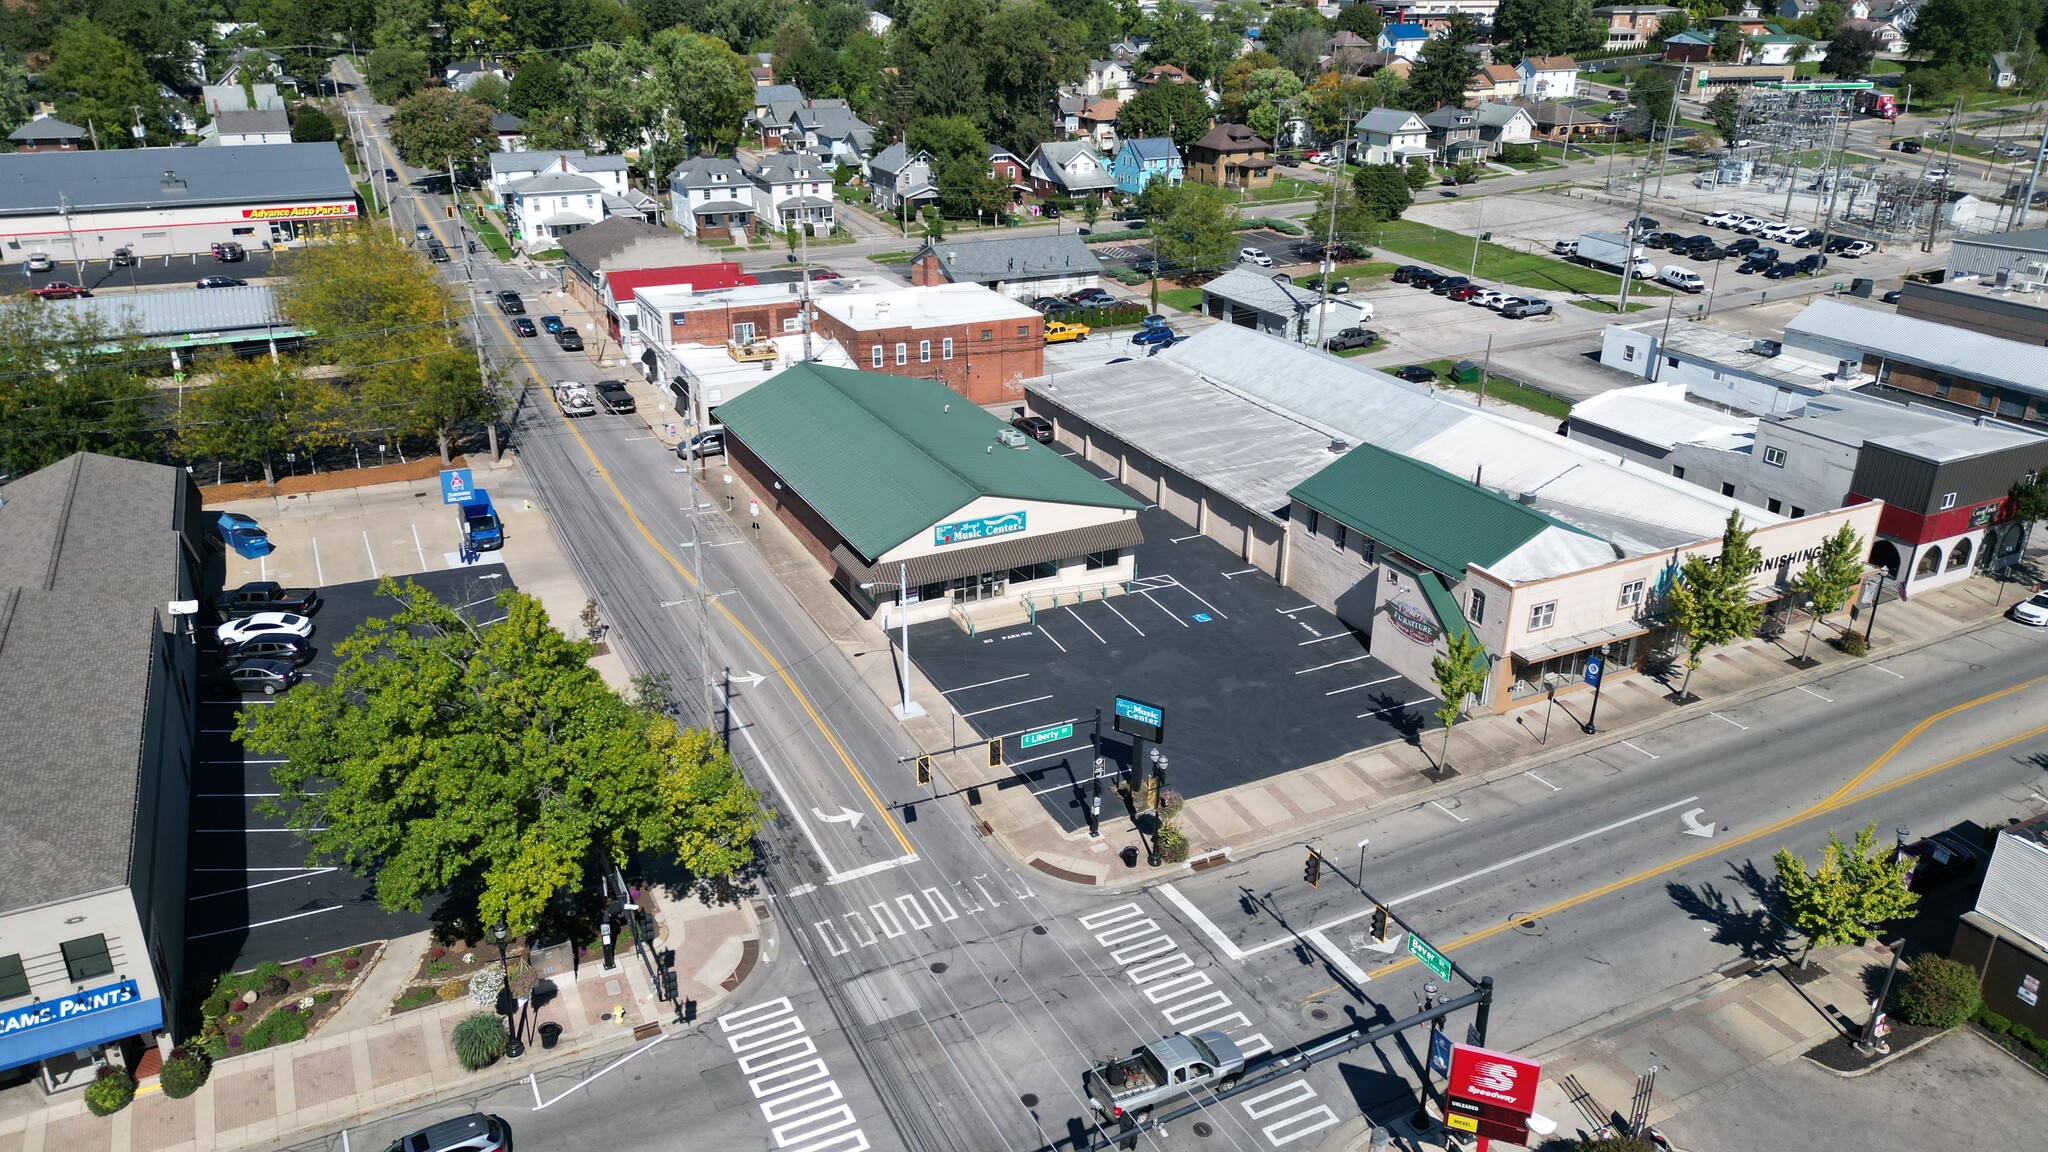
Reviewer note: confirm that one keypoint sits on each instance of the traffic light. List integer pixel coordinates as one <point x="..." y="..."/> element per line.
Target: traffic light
<point x="995" y="752"/>
<point x="924" y="770"/>
<point x="1379" y="922"/>
<point x="450" y="210"/>
<point x="1312" y="869"/>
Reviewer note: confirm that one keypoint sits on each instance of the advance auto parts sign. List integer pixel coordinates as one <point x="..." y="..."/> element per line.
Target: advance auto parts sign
<point x="301" y="212"/>
<point x="1416" y="624"/>
<point x="1490" y="1093"/>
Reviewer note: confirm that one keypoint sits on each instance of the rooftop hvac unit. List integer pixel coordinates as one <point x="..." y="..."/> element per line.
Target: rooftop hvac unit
<point x="1013" y="438"/>
<point x="1339" y="447"/>
<point x="1528" y="498"/>
<point x="1766" y="348"/>
<point x="1848" y="369"/>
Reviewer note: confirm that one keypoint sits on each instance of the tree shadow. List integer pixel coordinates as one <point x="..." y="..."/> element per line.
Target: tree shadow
<point x="1747" y="925"/>
<point x="1400" y="716"/>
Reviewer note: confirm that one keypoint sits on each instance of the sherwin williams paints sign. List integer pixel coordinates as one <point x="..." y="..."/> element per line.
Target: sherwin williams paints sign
<point x="68" y="1007"/>
<point x="986" y="528"/>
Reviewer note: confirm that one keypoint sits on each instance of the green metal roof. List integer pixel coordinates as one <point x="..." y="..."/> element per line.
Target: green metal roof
<point x="1441" y="602"/>
<point x="883" y="458"/>
<point x="1421" y="511"/>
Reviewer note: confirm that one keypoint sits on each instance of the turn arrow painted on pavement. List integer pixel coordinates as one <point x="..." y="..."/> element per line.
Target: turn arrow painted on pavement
<point x="1692" y="825"/>
<point x="845" y="816"/>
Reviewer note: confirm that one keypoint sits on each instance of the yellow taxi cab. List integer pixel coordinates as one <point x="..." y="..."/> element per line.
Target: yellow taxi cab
<point x="1060" y="332"/>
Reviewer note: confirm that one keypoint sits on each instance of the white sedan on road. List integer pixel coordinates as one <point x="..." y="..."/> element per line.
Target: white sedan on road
<point x="238" y="631"/>
<point x="2033" y="610"/>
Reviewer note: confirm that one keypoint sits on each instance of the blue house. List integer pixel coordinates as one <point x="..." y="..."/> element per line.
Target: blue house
<point x="1145" y="159"/>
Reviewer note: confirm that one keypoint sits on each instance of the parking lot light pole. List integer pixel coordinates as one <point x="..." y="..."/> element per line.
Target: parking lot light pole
<point x="908" y="708"/>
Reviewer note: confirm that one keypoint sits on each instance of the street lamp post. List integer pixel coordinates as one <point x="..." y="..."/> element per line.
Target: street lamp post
<point x="1875" y="1028"/>
<point x="1360" y="882"/>
<point x="907" y="708"/>
<point x="1811" y="620"/>
<point x="513" y="1048"/>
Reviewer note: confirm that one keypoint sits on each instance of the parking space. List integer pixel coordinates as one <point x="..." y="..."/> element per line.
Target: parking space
<point x="340" y="537"/>
<point x="251" y="894"/>
<point x="1254" y="680"/>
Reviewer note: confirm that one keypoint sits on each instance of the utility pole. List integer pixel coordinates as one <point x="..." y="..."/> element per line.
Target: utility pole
<point x="1947" y="166"/>
<point x="2020" y="218"/>
<point x="804" y="259"/>
<point x="1628" y="236"/>
<point x="1670" y="125"/>
<point x="1330" y="232"/>
<point x="1841" y="142"/>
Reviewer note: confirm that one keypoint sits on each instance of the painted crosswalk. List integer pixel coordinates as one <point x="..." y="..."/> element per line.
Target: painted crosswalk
<point x="1189" y="1001"/>
<point x="805" y="1109"/>
<point x="923" y="910"/>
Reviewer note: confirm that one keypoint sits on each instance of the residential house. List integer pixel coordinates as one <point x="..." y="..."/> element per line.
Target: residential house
<point x="1393" y="136"/>
<point x="792" y="188"/>
<point x="1888" y="36"/>
<point x="980" y="343"/>
<point x="1374" y="63"/>
<point x="762" y="74"/>
<point x="1345" y="40"/>
<point x="1689" y="47"/>
<point x="1781" y="49"/>
<point x="1022" y="268"/>
<point x="775" y="106"/>
<point x="1164" y="74"/>
<point x="542" y="209"/>
<point x="1130" y="47"/>
<point x="219" y="98"/>
<point x="1141" y="160"/>
<point x="1403" y="40"/>
<point x="897" y="176"/>
<point x="1493" y="82"/>
<point x="1250" y="298"/>
<point x="1231" y="156"/>
<point x="1632" y="25"/>
<point x="1069" y="117"/>
<point x="509" y="168"/>
<point x="510" y="131"/>
<point x="1794" y="9"/>
<point x="711" y="194"/>
<point x="1003" y="165"/>
<point x="1549" y="77"/>
<point x="1110" y="78"/>
<point x="47" y="134"/>
<point x="1454" y="135"/>
<point x="829" y="130"/>
<point x="2004" y="70"/>
<point x="1069" y="168"/>
<point x="1501" y="125"/>
<point x="237" y="127"/>
<point x="1098" y="124"/>
<point x="462" y="75"/>
<point x="1551" y="120"/>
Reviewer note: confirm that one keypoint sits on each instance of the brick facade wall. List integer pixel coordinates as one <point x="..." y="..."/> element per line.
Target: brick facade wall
<point x="810" y="529"/>
<point x="713" y="324"/>
<point x="990" y="371"/>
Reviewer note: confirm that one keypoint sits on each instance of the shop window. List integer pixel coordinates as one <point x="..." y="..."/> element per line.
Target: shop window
<point x="86" y="957"/>
<point x="241" y="231"/>
<point x="13" y="981"/>
<point x="1340" y="537"/>
<point x="1631" y="593"/>
<point x="1030" y="572"/>
<point x="924" y="351"/>
<point x="1315" y="522"/>
<point x="1543" y="615"/>
<point x="1775" y="457"/>
<point x="902" y="353"/>
<point x="1478" y="606"/>
<point x="1107" y="558"/>
<point x="946" y="348"/>
<point x="1948" y="501"/>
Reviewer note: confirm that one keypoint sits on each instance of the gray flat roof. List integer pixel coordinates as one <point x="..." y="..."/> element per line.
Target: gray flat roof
<point x="1853" y="419"/>
<point x="37" y="183"/>
<point x="2010" y="363"/>
<point x="182" y="312"/>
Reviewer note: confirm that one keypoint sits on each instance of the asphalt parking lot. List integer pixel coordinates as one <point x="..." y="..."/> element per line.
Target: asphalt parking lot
<point x="146" y="272"/>
<point x="251" y="895"/>
<point x="1255" y="681"/>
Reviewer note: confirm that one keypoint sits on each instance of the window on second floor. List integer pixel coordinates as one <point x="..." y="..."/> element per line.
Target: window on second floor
<point x="902" y="353"/>
<point x="1631" y="593"/>
<point x="13" y="979"/>
<point x="878" y="355"/>
<point x="1543" y="615"/>
<point x="924" y="351"/>
<point x="946" y="348"/>
<point x="1775" y="457"/>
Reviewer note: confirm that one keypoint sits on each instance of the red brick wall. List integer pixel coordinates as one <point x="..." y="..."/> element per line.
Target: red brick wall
<point x="712" y="324"/>
<point x="987" y="371"/>
<point x="810" y="529"/>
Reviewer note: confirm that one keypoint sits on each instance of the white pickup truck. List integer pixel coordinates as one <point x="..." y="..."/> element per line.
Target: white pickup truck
<point x="1162" y="1070"/>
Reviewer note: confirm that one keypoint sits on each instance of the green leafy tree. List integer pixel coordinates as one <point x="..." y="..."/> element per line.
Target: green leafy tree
<point x="61" y="392"/>
<point x="1938" y="992"/>
<point x="704" y="82"/>
<point x="947" y="138"/>
<point x="1198" y="228"/>
<point x="489" y="91"/>
<point x="431" y="128"/>
<point x="1382" y="191"/>
<point x="1027" y="51"/>
<point x="17" y="104"/>
<point x="394" y="72"/>
<point x="1182" y="38"/>
<point x="537" y="83"/>
<point x="1672" y="24"/>
<point x="312" y="125"/>
<point x="253" y="411"/>
<point x="1724" y="112"/>
<point x="1729" y="47"/>
<point x="1438" y="78"/>
<point x="1832" y="577"/>
<point x="1650" y="98"/>
<point x="1460" y="670"/>
<point x="1850" y="53"/>
<point x="1709" y="603"/>
<point x="478" y="27"/>
<point x="491" y="761"/>
<point x="1852" y="892"/>
<point x="968" y="192"/>
<point x="1176" y="110"/>
<point x="1417" y="174"/>
<point x="1548" y="27"/>
<point x="1270" y="97"/>
<point x="97" y="81"/>
<point x="1363" y="20"/>
<point x="605" y="95"/>
<point x="1964" y="33"/>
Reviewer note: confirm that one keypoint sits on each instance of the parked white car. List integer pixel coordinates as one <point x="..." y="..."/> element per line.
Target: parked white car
<point x="1255" y="256"/>
<point x="1491" y="298"/>
<point x="1859" y="248"/>
<point x="1565" y="248"/>
<point x="1721" y="219"/>
<point x="238" y="631"/>
<point x="2033" y="610"/>
<point x="1683" y="279"/>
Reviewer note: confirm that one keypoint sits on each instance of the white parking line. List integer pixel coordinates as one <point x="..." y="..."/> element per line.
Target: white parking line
<point x="1393" y="708"/>
<point x="1178" y="539"/>
<point x="1812" y="693"/>
<point x="371" y="553"/>
<point x="261" y="884"/>
<point x="1542" y="781"/>
<point x="1000" y="707"/>
<point x="1321" y="639"/>
<point x="1744" y="727"/>
<point x="1644" y="751"/>
<point x="266" y="923"/>
<point x="1122" y="617"/>
<point x="1886" y="671"/>
<point x="1448" y="812"/>
<point x="1049" y="636"/>
<point x="1171" y="615"/>
<point x="319" y="574"/>
<point x="417" y="547"/>
<point x="1292" y="611"/>
<point x="1333" y="664"/>
<point x="1239" y="572"/>
<point x="983" y="684"/>
<point x="1367" y="684"/>
<point x="1083" y="623"/>
<point x="1215" y="611"/>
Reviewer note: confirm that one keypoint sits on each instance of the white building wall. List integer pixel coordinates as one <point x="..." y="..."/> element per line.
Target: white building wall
<point x="164" y="231"/>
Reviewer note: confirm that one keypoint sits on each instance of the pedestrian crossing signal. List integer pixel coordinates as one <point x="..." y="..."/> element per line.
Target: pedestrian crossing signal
<point x="1379" y="922"/>
<point x="995" y="752"/>
<point x="924" y="770"/>
<point x="1312" y="869"/>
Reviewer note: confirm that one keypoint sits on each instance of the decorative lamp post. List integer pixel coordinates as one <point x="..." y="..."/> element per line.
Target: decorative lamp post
<point x="513" y="1048"/>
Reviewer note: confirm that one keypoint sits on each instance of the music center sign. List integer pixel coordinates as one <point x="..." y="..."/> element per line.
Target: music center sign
<point x="1490" y="1094"/>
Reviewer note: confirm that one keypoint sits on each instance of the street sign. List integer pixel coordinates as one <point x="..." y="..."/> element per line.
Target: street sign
<point x="1593" y="667"/>
<point x="1440" y="1053"/>
<point x="1045" y="736"/>
<point x="1137" y="718"/>
<point x="456" y="487"/>
<point x="1431" y="959"/>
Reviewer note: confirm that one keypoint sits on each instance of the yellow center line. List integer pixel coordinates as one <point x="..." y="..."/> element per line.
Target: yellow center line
<point x="1840" y="798"/>
<point x="689" y="577"/>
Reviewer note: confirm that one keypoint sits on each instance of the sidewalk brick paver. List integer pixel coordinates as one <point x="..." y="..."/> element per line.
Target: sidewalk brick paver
<point x="401" y="1056"/>
<point x="323" y="1077"/>
<point x="244" y="1098"/>
<point x="159" y="1123"/>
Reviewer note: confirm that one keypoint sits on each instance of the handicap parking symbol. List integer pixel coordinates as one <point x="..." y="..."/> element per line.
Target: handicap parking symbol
<point x="1201" y="617"/>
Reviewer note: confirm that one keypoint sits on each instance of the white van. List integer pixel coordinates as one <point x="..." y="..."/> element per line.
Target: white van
<point x="1683" y="279"/>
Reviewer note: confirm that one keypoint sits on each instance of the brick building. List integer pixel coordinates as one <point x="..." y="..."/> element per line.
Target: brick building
<point x="979" y="342"/>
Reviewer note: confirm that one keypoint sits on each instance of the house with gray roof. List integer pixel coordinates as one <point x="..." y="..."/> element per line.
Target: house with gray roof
<point x="542" y="209"/>
<point x="510" y="131"/>
<point x="897" y="176"/>
<point x="47" y="134"/>
<point x="1069" y="168"/>
<point x="94" y="911"/>
<point x="711" y="194"/>
<point x="509" y="168"/>
<point x="829" y="130"/>
<point x="1501" y="125"/>
<point x="1392" y="136"/>
<point x="793" y="188"/>
<point x="1454" y="134"/>
<point x="1250" y="298"/>
<point x="239" y="128"/>
<point x="1020" y="267"/>
<point x="1143" y="159"/>
<point x="775" y="107"/>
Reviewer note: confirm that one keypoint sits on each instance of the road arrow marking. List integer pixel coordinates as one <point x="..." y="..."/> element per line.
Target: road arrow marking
<point x="749" y="679"/>
<point x="849" y="817"/>
<point x="1385" y="947"/>
<point x="1692" y="825"/>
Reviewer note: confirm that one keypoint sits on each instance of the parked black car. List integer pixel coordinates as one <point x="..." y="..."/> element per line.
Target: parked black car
<point x="1408" y="272"/>
<point x="570" y="340"/>
<point x="1782" y="270"/>
<point x="1754" y="264"/>
<point x="1811" y="262"/>
<point x="1444" y="284"/>
<point x="510" y="304"/>
<point x="1643" y="224"/>
<point x="1036" y="427"/>
<point x="1744" y="245"/>
<point x="1416" y="374"/>
<point x="265" y="596"/>
<point x="266" y="676"/>
<point x="523" y="327"/>
<point x="281" y="646"/>
<point x="613" y="397"/>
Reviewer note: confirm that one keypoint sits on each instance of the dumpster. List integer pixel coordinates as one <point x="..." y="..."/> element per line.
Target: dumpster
<point x="550" y="1032"/>
<point x="1861" y="287"/>
<point x="1465" y="372"/>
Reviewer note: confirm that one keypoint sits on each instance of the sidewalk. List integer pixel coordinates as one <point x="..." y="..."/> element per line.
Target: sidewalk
<point x="345" y="1074"/>
<point x="1285" y="807"/>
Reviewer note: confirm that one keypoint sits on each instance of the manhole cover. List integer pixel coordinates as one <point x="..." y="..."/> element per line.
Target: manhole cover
<point x="1030" y="1099"/>
<point x="1319" y="1014"/>
<point x="1202" y="1129"/>
<point x="1528" y="925"/>
<point x="939" y="966"/>
<point x="1038" y="929"/>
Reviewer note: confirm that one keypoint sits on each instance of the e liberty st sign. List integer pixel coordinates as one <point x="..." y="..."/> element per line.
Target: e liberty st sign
<point x="984" y="528"/>
<point x="68" y="1007"/>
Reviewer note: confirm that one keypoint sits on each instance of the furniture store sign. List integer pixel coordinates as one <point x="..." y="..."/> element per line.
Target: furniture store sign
<point x="68" y="1007"/>
<point x="986" y="528"/>
<point x="1413" y="623"/>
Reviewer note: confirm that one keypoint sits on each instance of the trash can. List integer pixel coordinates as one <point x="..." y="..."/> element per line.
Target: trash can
<point x="549" y="1033"/>
<point x="1130" y="856"/>
<point x="1861" y="287"/>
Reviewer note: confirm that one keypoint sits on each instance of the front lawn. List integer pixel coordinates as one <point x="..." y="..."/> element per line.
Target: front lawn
<point x="1506" y="391"/>
<point x="1283" y="188"/>
<point x="1504" y="265"/>
<point x="1185" y="299"/>
<point x="890" y="257"/>
<point x="1606" y="306"/>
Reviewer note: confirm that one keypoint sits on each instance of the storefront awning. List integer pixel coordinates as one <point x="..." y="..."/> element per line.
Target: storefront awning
<point x="998" y="555"/>
<point x="1538" y="653"/>
<point x="87" y="1030"/>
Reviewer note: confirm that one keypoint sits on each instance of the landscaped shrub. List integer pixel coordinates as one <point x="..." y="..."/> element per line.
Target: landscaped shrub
<point x="452" y="990"/>
<point x="280" y="1027"/>
<point x="1851" y="644"/>
<point x="1937" y="993"/>
<point x="1173" y="844"/>
<point x="351" y="964"/>
<point x="215" y="1006"/>
<point x="275" y="985"/>
<point x="183" y="1073"/>
<point x="479" y="1040"/>
<point x="484" y="986"/>
<point x="324" y="995"/>
<point x="111" y="1092"/>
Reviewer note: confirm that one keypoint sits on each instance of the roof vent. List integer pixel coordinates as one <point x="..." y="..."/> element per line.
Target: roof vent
<point x="172" y="182"/>
<point x="1013" y="438"/>
<point x="1528" y="498"/>
<point x="1339" y="447"/>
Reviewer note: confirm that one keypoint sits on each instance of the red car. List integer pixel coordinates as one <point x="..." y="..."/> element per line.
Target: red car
<point x="59" y="290"/>
<point x="1464" y="292"/>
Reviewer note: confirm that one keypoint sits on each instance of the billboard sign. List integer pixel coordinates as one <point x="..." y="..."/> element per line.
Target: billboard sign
<point x="456" y="486"/>
<point x="1490" y="1093"/>
<point x="1137" y="718"/>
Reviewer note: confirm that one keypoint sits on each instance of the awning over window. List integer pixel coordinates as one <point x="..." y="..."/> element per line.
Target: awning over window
<point x="1537" y="654"/>
<point x="998" y="555"/>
